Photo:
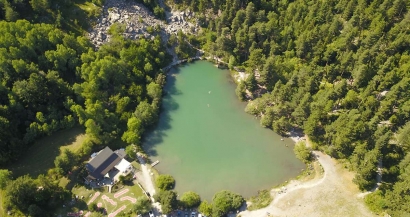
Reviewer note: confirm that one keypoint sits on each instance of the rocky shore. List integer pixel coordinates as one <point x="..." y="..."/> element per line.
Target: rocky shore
<point x="137" y="18"/>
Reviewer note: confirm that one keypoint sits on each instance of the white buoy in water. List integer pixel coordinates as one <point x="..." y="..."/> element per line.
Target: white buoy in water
<point x="208" y="105"/>
<point x="209" y="92"/>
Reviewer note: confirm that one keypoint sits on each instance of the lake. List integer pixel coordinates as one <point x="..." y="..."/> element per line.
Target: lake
<point x="207" y="142"/>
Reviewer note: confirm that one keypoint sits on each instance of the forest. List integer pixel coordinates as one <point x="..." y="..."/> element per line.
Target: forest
<point x="338" y="70"/>
<point x="53" y="78"/>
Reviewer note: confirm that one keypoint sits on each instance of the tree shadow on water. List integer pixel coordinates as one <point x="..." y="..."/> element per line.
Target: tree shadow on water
<point x="155" y="136"/>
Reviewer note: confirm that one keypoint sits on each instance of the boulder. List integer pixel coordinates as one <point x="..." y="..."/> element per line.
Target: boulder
<point x="114" y="17"/>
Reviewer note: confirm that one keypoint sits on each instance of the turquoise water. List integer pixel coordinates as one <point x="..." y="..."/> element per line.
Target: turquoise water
<point x="208" y="143"/>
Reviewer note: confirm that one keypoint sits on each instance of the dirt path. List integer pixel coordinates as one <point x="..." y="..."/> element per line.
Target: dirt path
<point x="332" y="195"/>
<point x="146" y="181"/>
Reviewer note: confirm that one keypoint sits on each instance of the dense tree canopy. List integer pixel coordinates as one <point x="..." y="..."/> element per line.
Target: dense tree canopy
<point x="34" y="196"/>
<point x="38" y="67"/>
<point x="52" y="80"/>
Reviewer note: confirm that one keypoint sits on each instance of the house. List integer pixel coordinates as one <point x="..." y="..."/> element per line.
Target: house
<point x="108" y="164"/>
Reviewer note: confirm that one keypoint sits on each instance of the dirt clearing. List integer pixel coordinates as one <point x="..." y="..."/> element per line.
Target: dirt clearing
<point x="334" y="194"/>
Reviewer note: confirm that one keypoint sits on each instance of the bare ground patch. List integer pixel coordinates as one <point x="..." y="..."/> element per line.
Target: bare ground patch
<point x="334" y="194"/>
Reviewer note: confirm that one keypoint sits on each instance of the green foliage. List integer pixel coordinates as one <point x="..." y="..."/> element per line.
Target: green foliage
<point x="34" y="197"/>
<point x="168" y="200"/>
<point x="96" y="214"/>
<point x="74" y="16"/>
<point x="263" y="199"/>
<point x="37" y="70"/>
<point x="190" y="199"/>
<point x="154" y="6"/>
<point x="281" y="126"/>
<point x="403" y="137"/>
<point x="225" y="201"/>
<point x="376" y="201"/>
<point x="183" y="49"/>
<point x="115" y="85"/>
<point x="35" y="211"/>
<point x="65" y="162"/>
<point x="5" y="177"/>
<point x="92" y="207"/>
<point x="240" y="91"/>
<point x="130" y="150"/>
<point x="142" y="205"/>
<point x="205" y="208"/>
<point x="302" y="152"/>
<point x="165" y="182"/>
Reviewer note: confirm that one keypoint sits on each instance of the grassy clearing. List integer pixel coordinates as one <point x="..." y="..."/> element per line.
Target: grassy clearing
<point x="40" y="156"/>
<point x="263" y="199"/>
<point x="79" y="16"/>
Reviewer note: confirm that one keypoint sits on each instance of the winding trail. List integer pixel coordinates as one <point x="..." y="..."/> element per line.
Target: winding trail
<point x="332" y="195"/>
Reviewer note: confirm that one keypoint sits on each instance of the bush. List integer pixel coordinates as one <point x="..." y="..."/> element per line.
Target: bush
<point x="92" y="207"/>
<point x="205" y="208"/>
<point x="376" y="201"/>
<point x="167" y="199"/>
<point x="35" y="211"/>
<point x="262" y="200"/>
<point x="225" y="201"/>
<point x="142" y="205"/>
<point x="302" y="152"/>
<point x="165" y="182"/>
<point x="190" y="199"/>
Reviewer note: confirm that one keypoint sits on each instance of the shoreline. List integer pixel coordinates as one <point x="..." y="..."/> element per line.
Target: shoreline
<point x="316" y="196"/>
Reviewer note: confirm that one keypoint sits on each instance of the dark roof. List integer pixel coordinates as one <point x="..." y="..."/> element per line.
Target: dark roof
<point x="105" y="160"/>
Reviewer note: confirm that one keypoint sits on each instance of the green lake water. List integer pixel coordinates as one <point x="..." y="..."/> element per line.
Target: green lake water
<point x="208" y="143"/>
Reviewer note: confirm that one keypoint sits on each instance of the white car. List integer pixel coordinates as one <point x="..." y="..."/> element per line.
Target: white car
<point x="199" y="215"/>
<point x="193" y="214"/>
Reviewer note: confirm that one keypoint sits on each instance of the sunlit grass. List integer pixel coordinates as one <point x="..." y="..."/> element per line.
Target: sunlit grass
<point x="41" y="155"/>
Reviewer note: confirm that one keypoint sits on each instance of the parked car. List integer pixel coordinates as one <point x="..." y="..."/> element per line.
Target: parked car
<point x="151" y="214"/>
<point x="199" y="215"/>
<point x="193" y="214"/>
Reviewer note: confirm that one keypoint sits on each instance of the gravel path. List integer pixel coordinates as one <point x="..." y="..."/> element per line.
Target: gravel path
<point x="333" y="195"/>
<point x="144" y="178"/>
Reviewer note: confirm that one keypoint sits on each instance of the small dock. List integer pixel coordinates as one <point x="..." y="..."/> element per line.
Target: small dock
<point x="155" y="163"/>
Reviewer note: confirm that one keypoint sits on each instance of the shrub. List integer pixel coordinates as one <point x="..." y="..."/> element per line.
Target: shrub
<point x="142" y="205"/>
<point x="225" y="201"/>
<point x="302" y="152"/>
<point x="263" y="199"/>
<point x="190" y="199"/>
<point x="168" y="200"/>
<point x="92" y="207"/>
<point x="165" y="182"/>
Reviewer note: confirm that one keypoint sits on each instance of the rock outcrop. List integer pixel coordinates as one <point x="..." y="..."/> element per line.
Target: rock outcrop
<point x="137" y="18"/>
